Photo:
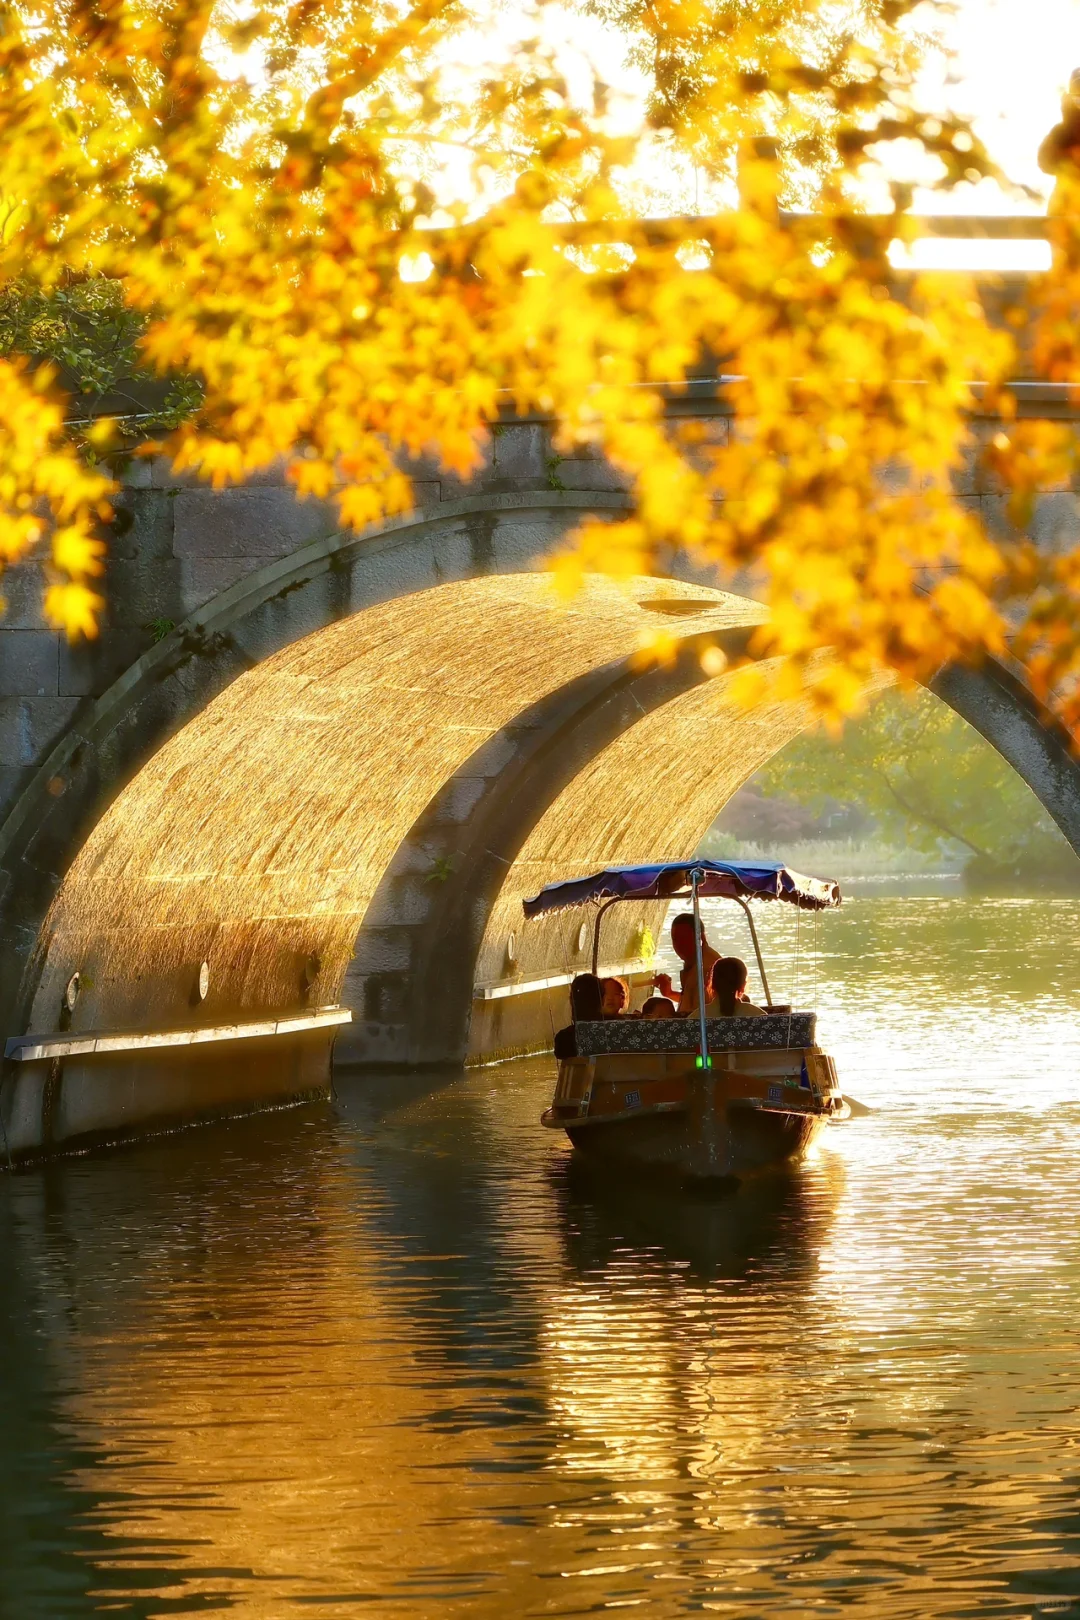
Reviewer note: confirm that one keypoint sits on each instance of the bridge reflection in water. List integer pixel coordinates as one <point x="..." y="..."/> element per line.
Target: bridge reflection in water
<point x="391" y="1355"/>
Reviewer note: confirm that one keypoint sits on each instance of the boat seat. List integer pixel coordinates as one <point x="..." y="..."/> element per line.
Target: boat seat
<point x="798" y="1029"/>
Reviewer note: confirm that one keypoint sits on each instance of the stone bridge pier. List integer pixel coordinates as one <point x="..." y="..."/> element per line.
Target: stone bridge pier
<point x="305" y="770"/>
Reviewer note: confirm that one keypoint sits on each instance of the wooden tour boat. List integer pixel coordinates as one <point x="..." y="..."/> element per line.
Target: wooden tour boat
<point x="697" y="1096"/>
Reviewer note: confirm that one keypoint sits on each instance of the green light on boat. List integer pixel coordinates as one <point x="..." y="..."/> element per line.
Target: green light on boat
<point x="704" y="1062"/>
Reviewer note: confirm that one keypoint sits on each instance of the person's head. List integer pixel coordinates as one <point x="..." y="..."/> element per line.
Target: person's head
<point x="586" y="998"/>
<point x="728" y="983"/>
<point x="658" y="1007"/>
<point x="682" y="936"/>
<point x="616" y="996"/>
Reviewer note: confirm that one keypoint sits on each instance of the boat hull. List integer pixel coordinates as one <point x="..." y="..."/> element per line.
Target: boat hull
<point x="733" y="1146"/>
<point x="749" y="1111"/>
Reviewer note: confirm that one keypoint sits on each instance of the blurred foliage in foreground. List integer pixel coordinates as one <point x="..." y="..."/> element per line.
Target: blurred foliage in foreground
<point x="922" y="779"/>
<point x="269" y="186"/>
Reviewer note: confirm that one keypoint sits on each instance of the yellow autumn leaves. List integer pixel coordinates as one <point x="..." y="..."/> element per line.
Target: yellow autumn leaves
<point x="261" y="183"/>
<point x="43" y="485"/>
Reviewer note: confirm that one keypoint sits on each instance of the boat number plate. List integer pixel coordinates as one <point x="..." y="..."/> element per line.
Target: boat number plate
<point x="631" y="1099"/>
<point x="775" y="1094"/>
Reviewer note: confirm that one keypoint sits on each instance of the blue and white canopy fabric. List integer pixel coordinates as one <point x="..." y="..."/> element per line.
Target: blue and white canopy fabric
<point x="731" y="880"/>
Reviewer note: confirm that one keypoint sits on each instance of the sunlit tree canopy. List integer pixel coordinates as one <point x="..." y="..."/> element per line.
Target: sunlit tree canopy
<point x="357" y="232"/>
<point x="928" y="782"/>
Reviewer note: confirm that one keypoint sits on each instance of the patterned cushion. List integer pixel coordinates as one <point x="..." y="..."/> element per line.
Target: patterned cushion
<point x="681" y="1034"/>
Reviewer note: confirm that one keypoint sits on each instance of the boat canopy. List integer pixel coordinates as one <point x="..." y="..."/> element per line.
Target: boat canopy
<point x="730" y="880"/>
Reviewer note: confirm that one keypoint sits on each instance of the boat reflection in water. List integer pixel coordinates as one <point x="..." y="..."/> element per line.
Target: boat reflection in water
<point x="705" y="1097"/>
<point x="665" y="1351"/>
<point x="775" y="1222"/>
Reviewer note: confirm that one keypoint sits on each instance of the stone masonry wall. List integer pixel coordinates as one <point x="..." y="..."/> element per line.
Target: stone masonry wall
<point x="176" y="544"/>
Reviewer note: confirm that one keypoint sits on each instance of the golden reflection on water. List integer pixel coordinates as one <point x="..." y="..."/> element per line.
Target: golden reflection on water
<point x="401" y="1356"/>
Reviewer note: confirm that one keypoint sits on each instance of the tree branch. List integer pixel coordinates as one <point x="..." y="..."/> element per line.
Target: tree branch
<point x="929" y="820"/>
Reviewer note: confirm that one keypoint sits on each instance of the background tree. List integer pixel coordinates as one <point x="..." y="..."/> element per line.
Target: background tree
<point x="258" y="183"/>
<point x="929" y="782"/>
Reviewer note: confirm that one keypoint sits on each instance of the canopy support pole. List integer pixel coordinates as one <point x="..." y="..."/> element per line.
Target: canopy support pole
<point x="757" y="948"/>
<point x="704" y="1061"/>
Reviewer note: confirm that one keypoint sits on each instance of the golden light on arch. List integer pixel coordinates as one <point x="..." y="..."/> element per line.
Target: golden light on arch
<point x="650" y="795"/>
<point x="257" y="836"/>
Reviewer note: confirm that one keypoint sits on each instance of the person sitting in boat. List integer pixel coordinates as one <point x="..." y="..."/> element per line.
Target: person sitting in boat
<point x="658" y="1007"/>
<point x="616" y="997"/>
<point x="728" y="991"/>
<point x="682" y="943"/>
<point x="586" y="1003"/>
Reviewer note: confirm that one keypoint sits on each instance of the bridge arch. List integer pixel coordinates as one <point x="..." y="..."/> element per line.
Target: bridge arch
<point x="345" y="770"/>
<point x="256" y="837"/>
<point x="269" y="609"/>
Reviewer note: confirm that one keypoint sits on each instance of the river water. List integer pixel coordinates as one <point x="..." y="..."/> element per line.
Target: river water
<point x="393" y="1356"/>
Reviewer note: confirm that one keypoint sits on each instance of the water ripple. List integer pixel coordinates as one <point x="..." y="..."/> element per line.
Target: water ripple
<point x="398" y="1355"/>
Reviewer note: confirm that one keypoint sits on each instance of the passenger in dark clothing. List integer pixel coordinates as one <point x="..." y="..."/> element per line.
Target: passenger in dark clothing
<point x="565" y="1043"/>
<point x="586" y="998"/>
<point x="586" y="1004"/>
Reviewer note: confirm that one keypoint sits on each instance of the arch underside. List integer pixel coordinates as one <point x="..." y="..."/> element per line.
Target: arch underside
<point x="256" y="837"/>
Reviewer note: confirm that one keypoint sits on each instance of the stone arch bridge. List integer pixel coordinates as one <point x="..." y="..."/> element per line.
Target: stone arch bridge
<point x="303" y="768"/>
